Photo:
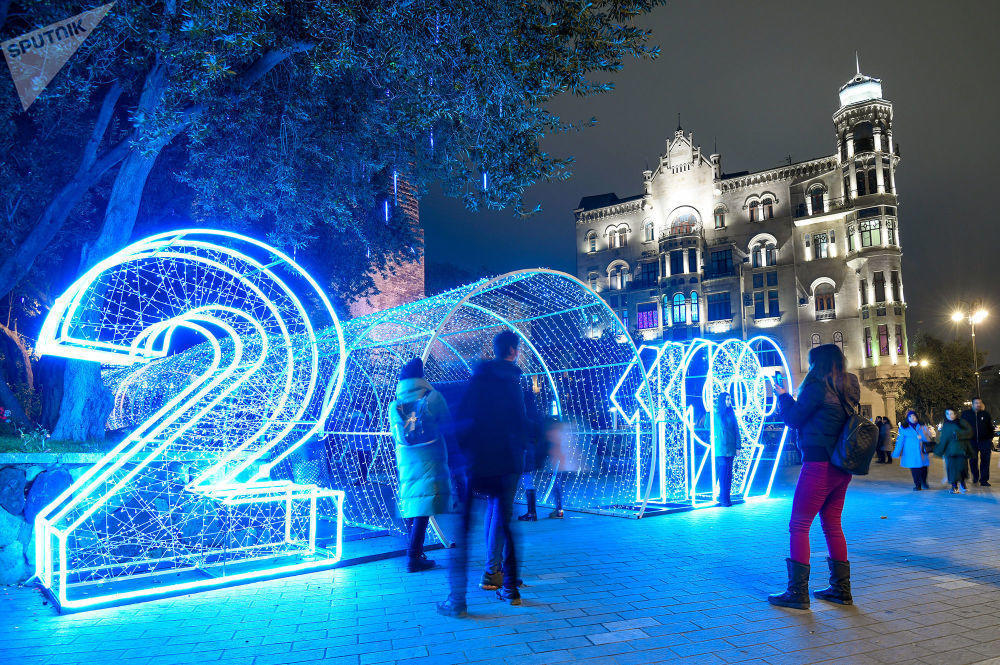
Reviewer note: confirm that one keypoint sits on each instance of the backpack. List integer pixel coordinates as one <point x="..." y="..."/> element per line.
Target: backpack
<point x="858" y="441"/>
<point x="416" y="429"/>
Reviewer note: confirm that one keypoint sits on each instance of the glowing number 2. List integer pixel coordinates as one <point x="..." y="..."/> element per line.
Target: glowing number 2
<point x="187" y="500"/>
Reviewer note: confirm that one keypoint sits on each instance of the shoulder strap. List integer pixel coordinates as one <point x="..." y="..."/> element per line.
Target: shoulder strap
<point x="843" y="404"/>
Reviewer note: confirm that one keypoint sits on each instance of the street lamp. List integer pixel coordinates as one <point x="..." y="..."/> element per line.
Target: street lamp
<point x="973" y="317"/>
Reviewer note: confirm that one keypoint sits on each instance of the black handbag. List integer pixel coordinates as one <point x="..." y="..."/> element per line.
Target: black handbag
<point x="858" y="441"/>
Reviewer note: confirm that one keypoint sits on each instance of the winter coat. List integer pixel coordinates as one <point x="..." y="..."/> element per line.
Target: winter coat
<point x="982" y="428"/>
<point x="424" y="477"/>
<point x="726" y="433"/>
<point x="492" y="422"/>
<point x="817" y="414"/>
<point x="909" y="448"/>
<point x="954" y="439"/>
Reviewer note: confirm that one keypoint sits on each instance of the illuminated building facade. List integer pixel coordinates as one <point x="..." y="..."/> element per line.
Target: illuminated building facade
<point x="807" y="253"/>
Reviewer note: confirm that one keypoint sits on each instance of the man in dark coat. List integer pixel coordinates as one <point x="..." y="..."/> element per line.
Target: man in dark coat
<point x="982" y="441"/>
<point x="493" y="430"/>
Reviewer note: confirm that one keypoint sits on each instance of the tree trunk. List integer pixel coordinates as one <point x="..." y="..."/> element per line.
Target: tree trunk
<point x="85" y="404"/>
<point x="50" y="388"/>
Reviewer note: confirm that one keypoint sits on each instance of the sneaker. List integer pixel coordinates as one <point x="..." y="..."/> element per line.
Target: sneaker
<point x="528" y="517"/>
<point x="556" y="514"/>
<point x="984" y="484"/>
<point x="491" y="581"/>
<point x="954" y="490"/>
<point x="508" y="594"/>
<point x="917" y="489"/>
<point x="419" y="564"/>
<point x="965" y="490"/>
<point x="450" y="608"/>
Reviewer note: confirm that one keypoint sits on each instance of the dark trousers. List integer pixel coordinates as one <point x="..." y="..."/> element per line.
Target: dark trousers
<point x="417" y="530"/>
<point x="557" y="488"/>
<point x="882" y="454"/>
<point x="499" y="494"/>
<point x="724" y="473"/>
<point x="919" y="476"/>
<point x="979" y="464"/>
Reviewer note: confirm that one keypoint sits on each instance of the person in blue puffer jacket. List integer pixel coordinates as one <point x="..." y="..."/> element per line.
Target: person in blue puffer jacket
<point x="910" y="450"/>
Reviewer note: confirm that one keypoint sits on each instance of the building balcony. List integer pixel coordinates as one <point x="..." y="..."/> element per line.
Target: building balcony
<point x="800" y="209"/>
<point x="828" y="315"/>
<point x="721" y="274"/>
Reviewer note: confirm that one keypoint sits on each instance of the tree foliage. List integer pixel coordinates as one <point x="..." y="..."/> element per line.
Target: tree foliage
<point x="947" y="381"/>
<point x="289" y="120"/>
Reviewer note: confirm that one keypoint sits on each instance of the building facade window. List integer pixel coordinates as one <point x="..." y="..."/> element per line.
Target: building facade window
<point x="871" y="232"/>
<point x="770" y="254"/>
<point x="838" y="339"/>
<point x="816" y="200"/>
<point x="647" y="231"/>
<point x="816" y="340"/>
<point x="647" y="316"/>
<point x="850" y="238"/>
<point x="692" y="260"/>
<point x="677" y="262"/>
<point x="890" y="232"/>
<point x="592" y="281"/>
<point x="883" y="340"/>
<point x="767" y="208"/>
<point x="878" y="281"/>
<point x="646" y="275"/>
<point x="897" y="291"/>
<point x="720" y="218"/>
<point x="754" y="211"/>
<point x="758" y="305"/>
<point x="695" y="308"/>
<point x="824" y="301"/>
<point x="721" y="262"/>
<point x="860" y="181"/>
<point x="863" y="292"/>
<point x="821" y="249"/>
<point x="899" y="340"/>
<point x="868" y="342"/>
<point x="592" y="242"/>
<point x="622" y="237"/>
<point x="772" y="303"/>
<point x="719" y="306"/>
<point x="678" y="310"/>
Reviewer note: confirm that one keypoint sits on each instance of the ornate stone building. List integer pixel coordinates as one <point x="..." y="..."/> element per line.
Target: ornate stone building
<point x="807" y="253"/>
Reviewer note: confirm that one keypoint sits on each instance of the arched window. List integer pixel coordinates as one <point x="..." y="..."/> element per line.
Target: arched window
<point x="720" y="218"/>
<point x="618" y="275"/>
<point x="767" y="205"/>
<point x="695" y="308"/>
<point x="816" y="340"/>
<point x="592" y="281"/>
<point x="770" y="254"/>
<point x="678" y="312"/>
<point x="686" y="221"/>
<point x="757" y="255"/>
<point x="754" y="211"/>
<point x="816" y="200"/>
<point x="622" y="236"/>
<point x="824" y="300"/>
<point x="648" y="231"/>
<point x="592" y="241"/>
<point x="864" y="137"/>
<point x="872" y="180"/>
<point x="838" y="339"/>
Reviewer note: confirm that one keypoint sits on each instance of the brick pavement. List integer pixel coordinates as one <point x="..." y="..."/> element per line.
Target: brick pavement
<point x="685" y="588"/>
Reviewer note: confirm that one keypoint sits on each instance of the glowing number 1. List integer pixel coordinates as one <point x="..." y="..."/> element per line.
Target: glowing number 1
<point x="187" y="500"/>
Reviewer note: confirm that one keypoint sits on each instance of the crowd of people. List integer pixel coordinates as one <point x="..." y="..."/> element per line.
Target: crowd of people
<point x="494" y="441"/>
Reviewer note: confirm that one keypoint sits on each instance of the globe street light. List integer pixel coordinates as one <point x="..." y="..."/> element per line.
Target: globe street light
<point x="973" y="317"/>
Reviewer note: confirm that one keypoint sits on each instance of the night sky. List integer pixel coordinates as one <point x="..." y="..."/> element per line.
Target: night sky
<point x="761" y="80"/>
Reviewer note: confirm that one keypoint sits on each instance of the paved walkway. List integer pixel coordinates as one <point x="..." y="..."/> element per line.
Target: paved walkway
<point x="685" y="588"/>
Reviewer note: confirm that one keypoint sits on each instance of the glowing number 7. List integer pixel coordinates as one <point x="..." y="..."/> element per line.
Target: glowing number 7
<point x="187" y="500"/>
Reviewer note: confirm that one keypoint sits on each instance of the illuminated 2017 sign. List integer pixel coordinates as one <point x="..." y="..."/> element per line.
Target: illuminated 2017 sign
<point x="189" y="490"/>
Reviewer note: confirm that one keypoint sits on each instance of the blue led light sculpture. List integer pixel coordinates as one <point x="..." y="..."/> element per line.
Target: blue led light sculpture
<point x="186" y="500"/>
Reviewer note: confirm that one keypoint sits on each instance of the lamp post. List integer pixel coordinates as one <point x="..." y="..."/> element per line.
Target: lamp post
<point x="973" y="317"/>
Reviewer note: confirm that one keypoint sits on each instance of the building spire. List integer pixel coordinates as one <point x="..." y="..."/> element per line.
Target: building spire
<point x="857" y="63"/>
<point x="678" y="121"/>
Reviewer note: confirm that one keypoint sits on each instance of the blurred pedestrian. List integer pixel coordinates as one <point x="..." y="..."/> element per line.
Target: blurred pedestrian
<point x="726" y="443"/>
<point x="819" y="414"/>
<point x="954" y="447"/>
<point x="885" y="443"/>
<point x="420" y="423"/>
<point x="492" y="429"/>
<point x="911" y="452"/>
<point x="981" y="422"/>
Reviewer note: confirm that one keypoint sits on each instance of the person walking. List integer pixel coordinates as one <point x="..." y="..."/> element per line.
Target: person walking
<point x="982" y="441"/>
<point x="954" y="447"/>
<point x="911" y="452"/>
<point x="492" y="430"/>
<point x="885" y="443"/>
<point x="419" y="420"/>
<point x="726" y="443"/>
<point x="818" y="415"/>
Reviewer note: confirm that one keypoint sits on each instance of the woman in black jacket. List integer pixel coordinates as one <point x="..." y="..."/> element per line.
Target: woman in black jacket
<point x="819" y="415"/>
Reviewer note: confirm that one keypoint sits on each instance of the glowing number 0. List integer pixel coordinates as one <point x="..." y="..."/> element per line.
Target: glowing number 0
<point x="187" y="500"/>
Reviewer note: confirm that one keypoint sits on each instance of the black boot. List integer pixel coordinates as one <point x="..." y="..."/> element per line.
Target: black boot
<point x="532" y="514"/>
<point x="796" y="595"/>
<point x="839" y="590"/>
